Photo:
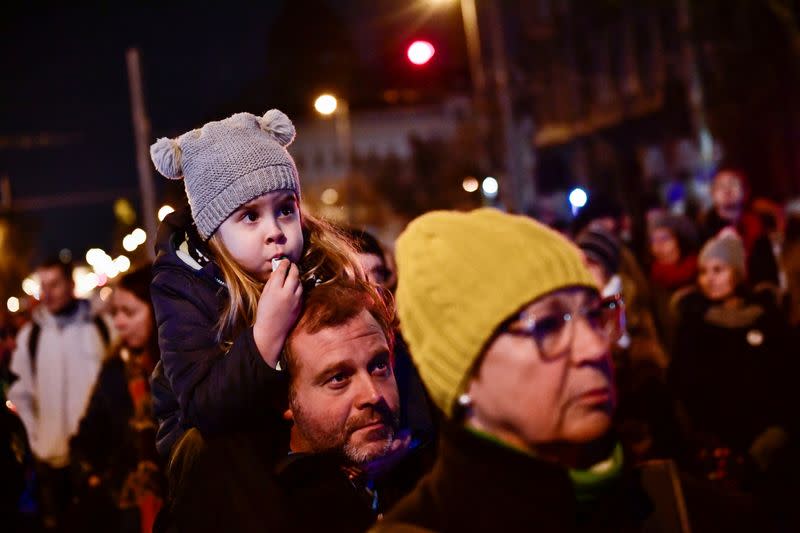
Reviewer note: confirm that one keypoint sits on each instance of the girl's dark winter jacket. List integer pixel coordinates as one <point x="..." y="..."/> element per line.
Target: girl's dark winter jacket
<point x="198" y="383"/>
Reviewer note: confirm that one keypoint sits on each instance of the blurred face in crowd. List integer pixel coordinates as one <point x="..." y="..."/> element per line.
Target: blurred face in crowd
<point x="374" y="268"/>
<point x="716" y="278"/>
<point x="664" y="246"/>
<point x="544" y="379"/>
<point x="609" y="224"/>
<point x="56" y="289"/>
<point x="727" y="193"/>
<point x="265" y="228"/>
<point x="133" y="319"/>
<point x="343" y="395"/>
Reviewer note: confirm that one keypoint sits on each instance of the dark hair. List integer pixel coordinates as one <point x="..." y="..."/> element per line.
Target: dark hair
<point x="138" y="282"/>
<point x="55" y="262"/>
<point x="335" y="304"/>
<point x="365" y="243"/>
<point x="682" y="229"/>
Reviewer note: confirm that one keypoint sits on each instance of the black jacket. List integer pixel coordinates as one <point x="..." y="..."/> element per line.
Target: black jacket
<point x="248" y="482"/>
<point x="198" y="383"/>
<point x="478" y="485"/>
<point x="105" y="443"/>
<point x="729" y="368"/>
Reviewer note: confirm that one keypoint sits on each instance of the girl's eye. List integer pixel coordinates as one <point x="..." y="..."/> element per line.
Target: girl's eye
<point x="287" y="210"/>
<point x="250" y="216"/>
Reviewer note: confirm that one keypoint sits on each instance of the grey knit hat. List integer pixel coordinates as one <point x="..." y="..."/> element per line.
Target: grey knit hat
<point x="726" y="246"/>
<point x="227" y="163"/>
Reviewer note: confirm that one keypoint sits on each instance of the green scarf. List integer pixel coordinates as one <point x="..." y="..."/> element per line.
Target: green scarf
<point x="591" y="484"/>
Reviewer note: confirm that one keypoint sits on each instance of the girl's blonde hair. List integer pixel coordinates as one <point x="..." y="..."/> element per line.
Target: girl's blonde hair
<point x="328" y="255"/>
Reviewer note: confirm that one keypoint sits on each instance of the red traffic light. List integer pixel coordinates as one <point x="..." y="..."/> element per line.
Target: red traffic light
<point x="420" y="52"/>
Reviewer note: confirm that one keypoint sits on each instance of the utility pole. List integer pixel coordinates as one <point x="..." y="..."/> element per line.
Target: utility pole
<point x="518" y="191"/>
<point x="141" y="128"/>
<point x="521" y="193"/>
<point x="469" y="15"/>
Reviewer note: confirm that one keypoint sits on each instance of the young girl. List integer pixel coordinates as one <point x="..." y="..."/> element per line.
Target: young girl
<point x="228" y="278"/>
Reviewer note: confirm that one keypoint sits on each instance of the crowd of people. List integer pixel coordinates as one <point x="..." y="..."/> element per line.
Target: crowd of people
<point x="271" y="371"/>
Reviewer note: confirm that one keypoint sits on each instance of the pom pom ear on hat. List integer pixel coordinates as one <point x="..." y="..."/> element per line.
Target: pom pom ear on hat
<point x="277" y="124"/>
<point x="166" y="156"/>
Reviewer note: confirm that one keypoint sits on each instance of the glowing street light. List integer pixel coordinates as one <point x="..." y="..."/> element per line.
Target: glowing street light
<point x="129" y="243"/>
<point x="325" y="104"/>
<point x="470" y="184"/>
<point x="578" y="198"/>
<point x="31" y="287"/>
<point x="139" y="235"/>
<point x="95" y="256"/>
<point x="122" y="263"/>
<point x="329" y="196"/>
<point x="490" y="187"/>
<point x="164" y="211"/>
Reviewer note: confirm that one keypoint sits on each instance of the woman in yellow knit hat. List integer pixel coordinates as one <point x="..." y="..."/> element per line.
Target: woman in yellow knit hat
<point x="513" y="342"/>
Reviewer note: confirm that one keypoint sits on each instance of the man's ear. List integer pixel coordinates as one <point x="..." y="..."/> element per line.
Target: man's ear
<point x="288" y="414"/>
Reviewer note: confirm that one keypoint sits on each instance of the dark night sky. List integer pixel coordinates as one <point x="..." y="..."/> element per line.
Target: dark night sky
<point x="64" y="74"/>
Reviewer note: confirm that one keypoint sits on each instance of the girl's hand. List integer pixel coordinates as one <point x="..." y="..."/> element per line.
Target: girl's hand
<point x="278" y="310"/>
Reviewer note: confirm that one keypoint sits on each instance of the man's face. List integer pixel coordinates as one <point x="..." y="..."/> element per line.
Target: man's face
<point x="56" y="289"/>
<point x="533" y="398"/>
<point x="727" y="193"/>
<point x="344" y="396"/>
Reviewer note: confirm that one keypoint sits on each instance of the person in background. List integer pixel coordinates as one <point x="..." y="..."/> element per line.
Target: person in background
<point x="644" y="416"/>
<point x="673" y="249"/>
<point x="515" y="350"/>
<point x="119" y="471"/>
<point x="729" y="196"/>
<point x="57" y="358"/>
<point x="604" y="215"/>
<point x="790" y="264"/>
<point x="372" y="257"/>
<point x="731" y="368"/>
<point x="14" y="451"/>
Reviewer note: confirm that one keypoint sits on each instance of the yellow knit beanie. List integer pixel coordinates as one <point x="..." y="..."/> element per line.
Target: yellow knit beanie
<point x="461" y="275"/>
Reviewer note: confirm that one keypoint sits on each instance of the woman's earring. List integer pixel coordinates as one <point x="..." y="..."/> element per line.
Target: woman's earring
<point x="465" y="400"/>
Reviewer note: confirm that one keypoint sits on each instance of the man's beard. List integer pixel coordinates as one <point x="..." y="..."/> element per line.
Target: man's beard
<point x="342" y="443"/>
<point x="360" y="455"/>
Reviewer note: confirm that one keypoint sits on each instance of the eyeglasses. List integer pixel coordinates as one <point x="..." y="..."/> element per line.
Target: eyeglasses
<point x="553" y="331"/>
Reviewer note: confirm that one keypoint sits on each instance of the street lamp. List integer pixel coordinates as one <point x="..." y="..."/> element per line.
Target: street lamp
<point x="328" y="105"/>
<point x="325" y="104"/>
